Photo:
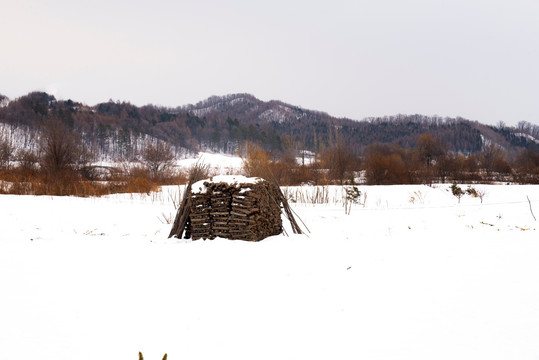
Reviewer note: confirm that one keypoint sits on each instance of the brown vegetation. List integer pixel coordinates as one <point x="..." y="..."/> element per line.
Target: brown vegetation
<point x="116" y="128"/>
<point x="61" y="139"/>
<point x="430" y="162"/>
<point x="340" y="163"/>
<point x="158" y="159"/>
<point x="383" y="164"/>
<point x="63" y="166"/>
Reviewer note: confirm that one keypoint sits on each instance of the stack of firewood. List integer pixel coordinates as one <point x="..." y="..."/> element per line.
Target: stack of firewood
<point x="244" y="211"/>
<point x="199" y="222"/>
<point x="232" y="207"/>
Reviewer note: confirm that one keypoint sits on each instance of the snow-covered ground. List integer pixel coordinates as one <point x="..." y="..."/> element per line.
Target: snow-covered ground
<point x="409" y="274"/>
<point x="219" y="163"/>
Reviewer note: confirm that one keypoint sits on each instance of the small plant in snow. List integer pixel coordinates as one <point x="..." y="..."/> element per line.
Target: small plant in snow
<point x="166" y="219"/>
<point x="457" y="191"/>
<point x="472" y="191"/>
<point x="140" y="357"/>
<point x="481" y="194"/>
<point x="417" y="196"/>
<point x="174" y="197"/>
<point x="476" y="193"/>
<point x="288" y="195"/>
<point x="353" y="196"/>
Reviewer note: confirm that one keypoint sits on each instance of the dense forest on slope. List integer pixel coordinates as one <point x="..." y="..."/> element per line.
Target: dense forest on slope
<point x="225" y="123"/>
<point x="57" y="147"/>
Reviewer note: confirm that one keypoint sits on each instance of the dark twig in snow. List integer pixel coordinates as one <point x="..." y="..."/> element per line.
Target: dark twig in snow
<point x="531" y="210"/>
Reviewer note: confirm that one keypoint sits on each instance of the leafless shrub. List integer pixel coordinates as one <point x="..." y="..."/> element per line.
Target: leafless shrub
<point x="59" y="149"/>
<point x="257" y="161"/>
<point x="157" y="158"/>
<point x="386" y="165"/>
<point x="340" y="162"/>
<point x="307" y="194"/>
<point x="27" y="159"/>
<point x="476" y="193"/>
<point x="166" y="219"/>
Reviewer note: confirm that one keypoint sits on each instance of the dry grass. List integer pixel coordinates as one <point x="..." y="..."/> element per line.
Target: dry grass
<point x="20" y="181"/>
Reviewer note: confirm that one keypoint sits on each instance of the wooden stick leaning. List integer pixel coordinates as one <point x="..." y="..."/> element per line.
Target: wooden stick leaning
<point x="198" y="172"/>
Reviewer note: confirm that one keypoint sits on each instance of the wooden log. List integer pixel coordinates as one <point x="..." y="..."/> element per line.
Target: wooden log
<point x="222" y="234"/>
<point x="247" y="195"/>
<point x="219" y="213"/>
<point x="220" y="228"/>
<point x="245" y="210"/>
<point x="235" y="213"/>
<point x="200" y="215"/>
<point x="182" y="216"/>
<point x="241" y="221"/>
<point x="199" y="221"/>
<point x="244" y="200"/>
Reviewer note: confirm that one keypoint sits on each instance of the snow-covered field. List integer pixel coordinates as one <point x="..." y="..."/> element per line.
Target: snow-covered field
<point x="218" y="163"/>
<point x="409" y="274"/>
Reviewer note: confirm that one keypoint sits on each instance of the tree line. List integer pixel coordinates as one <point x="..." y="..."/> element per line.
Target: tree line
<point x="223" y="124"/>
<point x="63" y="139"/>
<point x="428" y="161"/>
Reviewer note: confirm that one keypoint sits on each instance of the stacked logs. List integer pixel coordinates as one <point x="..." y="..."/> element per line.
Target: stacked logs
<point x="244" y="211"/>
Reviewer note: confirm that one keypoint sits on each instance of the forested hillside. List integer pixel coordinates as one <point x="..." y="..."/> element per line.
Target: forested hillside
<point x="223" y="124"/>
<point x="50" y="146"/>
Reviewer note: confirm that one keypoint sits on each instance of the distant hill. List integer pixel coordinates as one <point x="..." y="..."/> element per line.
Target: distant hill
<point x="223" y="123"/>
<point x="313" y="128"/>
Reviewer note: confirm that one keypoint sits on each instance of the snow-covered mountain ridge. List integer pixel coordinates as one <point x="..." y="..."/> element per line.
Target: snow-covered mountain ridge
<point x="222" y="123"/>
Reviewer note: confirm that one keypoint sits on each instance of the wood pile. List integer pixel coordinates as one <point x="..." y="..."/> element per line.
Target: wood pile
<point x="247" y="209"/>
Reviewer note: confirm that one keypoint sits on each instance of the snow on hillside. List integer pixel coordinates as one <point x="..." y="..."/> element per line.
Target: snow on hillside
<point x="281" y="113"/>
<point x="528" y="136"/>
<point x="19" y="137"/>
<point x="216" y="103"/>
<point x="409" y="274"/>
<point x="218" y="163"/>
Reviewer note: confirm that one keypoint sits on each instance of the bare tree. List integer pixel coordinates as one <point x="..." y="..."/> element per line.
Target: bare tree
<point x="60" y="150"/>
<point x="457" y="191"/>
<point x="492" y="159"/>
<point x="256" y="162"/>
<point x="527" y="161"/>
<point x="481" y="193"/>
<point x="340" y="162"/>
<point x="6" y="152"/>
<point x="386" y="165"/>
<point x="27" y="159"/>
<point x="524" y="127"/>
<point x="429" y="149"/>
<point x="339" y="158"/>
<point x="157" y="158"/>
<point x="4" y="100"/>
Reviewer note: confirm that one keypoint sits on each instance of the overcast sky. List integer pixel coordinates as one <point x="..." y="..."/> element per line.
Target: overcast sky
<point x="471" y="58"/>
